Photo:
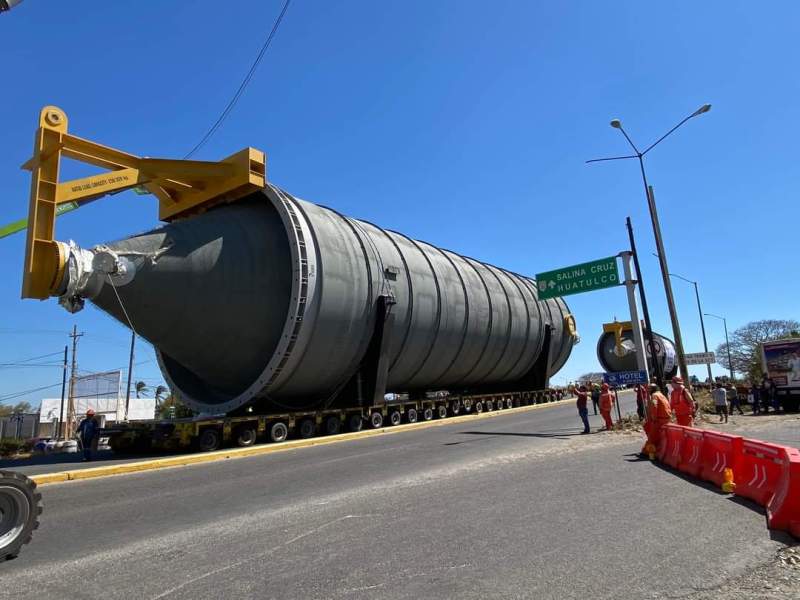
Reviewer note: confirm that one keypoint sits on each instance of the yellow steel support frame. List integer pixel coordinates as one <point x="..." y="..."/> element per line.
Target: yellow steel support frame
<point x="183" y="188"/>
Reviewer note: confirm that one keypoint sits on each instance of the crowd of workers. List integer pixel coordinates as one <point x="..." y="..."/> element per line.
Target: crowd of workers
<point x="656" y="410"/>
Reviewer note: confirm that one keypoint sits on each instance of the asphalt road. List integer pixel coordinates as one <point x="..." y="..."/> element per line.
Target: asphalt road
<point x="516" y="506"/>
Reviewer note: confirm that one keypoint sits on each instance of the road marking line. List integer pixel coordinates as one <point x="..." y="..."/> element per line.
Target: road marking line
<point x="268" y="448"/>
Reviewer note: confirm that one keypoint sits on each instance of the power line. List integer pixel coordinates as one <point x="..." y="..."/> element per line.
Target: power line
<point x="14" y="395"/>
<point x="242" y="85"/>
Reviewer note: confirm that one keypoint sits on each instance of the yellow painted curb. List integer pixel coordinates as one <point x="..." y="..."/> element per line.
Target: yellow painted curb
<point x="219" y="455"/>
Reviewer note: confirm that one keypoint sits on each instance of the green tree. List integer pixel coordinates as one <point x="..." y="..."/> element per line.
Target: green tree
<point x="141" y="389"/>
<point x="172" y="408"/>
<point x="160" y="394"/>
<point x="745" y="344"/>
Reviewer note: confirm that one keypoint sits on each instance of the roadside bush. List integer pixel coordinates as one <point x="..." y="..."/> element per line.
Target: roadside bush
<point x="10" y="446"/>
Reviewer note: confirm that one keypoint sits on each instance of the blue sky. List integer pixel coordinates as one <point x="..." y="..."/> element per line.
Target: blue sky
<point x="462" y="123"/>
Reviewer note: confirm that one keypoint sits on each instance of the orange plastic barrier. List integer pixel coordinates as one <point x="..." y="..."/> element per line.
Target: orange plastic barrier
<point x="669" y="451"/>
<point x="692" y="451"/>
<point x="720" y="451"/>
<point x="783" y="510"/>
<point x="760" y="470"/>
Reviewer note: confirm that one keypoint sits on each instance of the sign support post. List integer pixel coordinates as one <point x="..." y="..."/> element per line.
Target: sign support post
<point x="636" y="324"/>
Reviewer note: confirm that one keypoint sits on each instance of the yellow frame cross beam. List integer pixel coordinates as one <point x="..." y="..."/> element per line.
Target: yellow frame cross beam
<point x="183" y="188"/>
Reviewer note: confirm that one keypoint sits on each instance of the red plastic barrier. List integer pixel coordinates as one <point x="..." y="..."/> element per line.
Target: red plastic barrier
<point x="720" y="451"/>
<point x="783" y="510"/>
<point x="669" y="451"/>
<point x="760" y="470"/>
<point x="692" y="451"/>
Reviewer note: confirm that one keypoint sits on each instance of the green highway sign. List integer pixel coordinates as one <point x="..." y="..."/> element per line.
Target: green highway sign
<point x="586" y="277"/>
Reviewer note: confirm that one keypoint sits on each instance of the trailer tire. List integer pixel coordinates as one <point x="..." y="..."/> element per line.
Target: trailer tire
<point x="411" y="415"/>
<point x="355" y="422"/>
<point x="20" y="507"/>
<point x="479" y="407"/>
<point x="489" y="406"/>
<point x="278" y="432"/>
<point x="509" y="403"/>
<point x="376" y="420"/>
<point x="455" y="408"/>
<point x="395" y="418"/>
<point x="246" y="436"/>
<point x="333" y="425"/>
<point x="209" y="440"/>
<point x="306" y="429"/>
<point x="441" y="411"/>
<point x="427" y="414"/>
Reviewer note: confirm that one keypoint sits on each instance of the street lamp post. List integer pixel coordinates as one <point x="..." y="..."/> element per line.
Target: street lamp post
<point x="702" y="323"/>
<point x="651" y="204"/>
<point x="727" y="343"/>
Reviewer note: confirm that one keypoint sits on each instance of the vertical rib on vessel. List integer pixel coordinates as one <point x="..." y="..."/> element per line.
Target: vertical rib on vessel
<point x="275" y="297"/>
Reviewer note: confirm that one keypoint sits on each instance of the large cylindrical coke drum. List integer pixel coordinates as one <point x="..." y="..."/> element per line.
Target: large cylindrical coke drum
<point x="274" y="297"/>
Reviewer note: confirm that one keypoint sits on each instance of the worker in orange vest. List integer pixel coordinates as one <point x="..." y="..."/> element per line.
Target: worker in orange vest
<point x="606" y="403"/>
<point x="681" y="402"/>
<point x="658" y="415"/>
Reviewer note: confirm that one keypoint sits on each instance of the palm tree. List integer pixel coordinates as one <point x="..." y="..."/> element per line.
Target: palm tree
<point x="141" y="389"/>
<point x="160" y="394"/>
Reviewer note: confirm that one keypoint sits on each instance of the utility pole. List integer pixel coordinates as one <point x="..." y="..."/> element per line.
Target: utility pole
<point x="61" y="433"/>
<point x="71" y="404"/>
<point x="636" y="324"/>
<point x="130" y="374"/>
<point x="659" y="372"/>
<point x="662" y="259"/>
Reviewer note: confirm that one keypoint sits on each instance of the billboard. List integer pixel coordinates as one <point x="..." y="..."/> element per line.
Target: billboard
<point x="782" y="362"/>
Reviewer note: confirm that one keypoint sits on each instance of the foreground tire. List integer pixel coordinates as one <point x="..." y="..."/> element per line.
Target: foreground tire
<point x="209" y="440"/>
<point x="333" y="425"/>
<point x="411" y="415"/>
<point x="306" y="429"/>
<point x="455" y="408"/>
<point x="478" y="407"/>
<point x="278" y="432"/>
<point x="20" y="507"/>
<point x="441" y="411"/>
<point x="354" y="422"/>
<point x="376" y="420"/>
<point x="246" y="436"/>
<point x="395" y="418"/>
<point x="427" y="414"/>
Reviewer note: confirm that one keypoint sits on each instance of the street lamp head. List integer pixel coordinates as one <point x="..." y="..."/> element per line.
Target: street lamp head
<point x="616" y="123"/>
<point x="703" y="109"/>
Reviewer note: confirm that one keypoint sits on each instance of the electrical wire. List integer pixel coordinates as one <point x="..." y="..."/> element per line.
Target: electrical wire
<point x="242" y="85"/>
<point x="14" y="395"/>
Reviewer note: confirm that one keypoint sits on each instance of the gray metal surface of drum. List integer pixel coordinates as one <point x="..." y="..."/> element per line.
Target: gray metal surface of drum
<point x="625" y="360"/>
<point x="276" y="297"/>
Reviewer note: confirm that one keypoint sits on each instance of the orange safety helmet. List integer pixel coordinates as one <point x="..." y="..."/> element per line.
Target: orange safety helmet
<point x="604" y="387"/>
<point x="677" y="379"/>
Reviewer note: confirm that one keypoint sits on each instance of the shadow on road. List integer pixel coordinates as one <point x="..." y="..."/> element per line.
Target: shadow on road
<point x="559" y="436"/>
<point x="64" y="459"/>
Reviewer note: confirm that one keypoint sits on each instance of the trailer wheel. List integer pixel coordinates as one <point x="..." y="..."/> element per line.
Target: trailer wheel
<point x="332" y="425"/>
<point x="479" y="407"/>
<point x="278" y="432"/>
<point x="427" y="414"/>
<point x="411" y="415"/>
<point x="489" y="406"/>
<point x="20" y="507"/>
<point x="441" y="411"/>
<point x="455" y="408"/>
<point x="376" y="420"/>
<point x="307" y="428"/>
<point x="355" y="422"/>
<point x="246" y="436"/>
<point x="209" y="440"/>
<point x="395" y="417"/>
<point x="509" y="403"/>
